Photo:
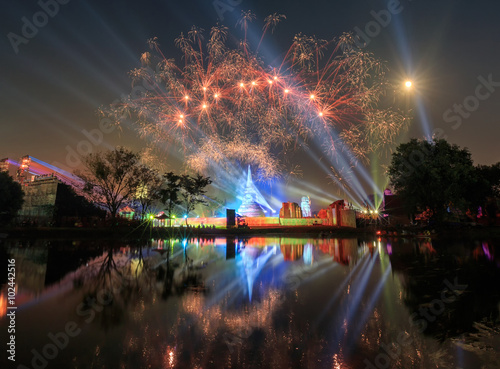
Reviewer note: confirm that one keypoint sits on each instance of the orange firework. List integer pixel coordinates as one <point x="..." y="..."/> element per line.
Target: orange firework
<point x="223" y="105"/>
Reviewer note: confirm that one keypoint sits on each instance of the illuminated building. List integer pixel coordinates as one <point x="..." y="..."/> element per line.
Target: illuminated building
<point x="305" y="204"/>
<point x="8" y="166"/>
<point x="127" y="212"/>
<point x="395" y="209"/>
<point x="51" y="194"/>
<point x="290" y="210"/>
<point x="250" y="207"/>
<point x="339" y="214"/>
<point x="4" y="165"/>
<point x="39" y="197"/>
<point x="23" y="173"/>
<point x="29" y="167"/>
<point x="47" y="199"/>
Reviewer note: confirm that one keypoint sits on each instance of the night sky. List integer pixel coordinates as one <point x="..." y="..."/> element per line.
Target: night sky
<point x="80" y="59"/>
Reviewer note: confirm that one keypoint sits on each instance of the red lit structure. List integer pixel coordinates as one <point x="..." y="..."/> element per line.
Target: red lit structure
<point x="290" y="210"/>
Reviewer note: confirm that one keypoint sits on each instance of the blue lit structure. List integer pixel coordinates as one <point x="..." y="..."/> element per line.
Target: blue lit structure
<point x="249" y="206"/>
<point x="305" y="205"/>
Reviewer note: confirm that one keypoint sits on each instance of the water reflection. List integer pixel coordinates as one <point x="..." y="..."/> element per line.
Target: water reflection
<point x="484" y="250"/>
<point x="425" y="273"/>
<point x="258" y="302"/>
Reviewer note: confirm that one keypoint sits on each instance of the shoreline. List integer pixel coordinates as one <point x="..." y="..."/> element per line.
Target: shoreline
<point x="129" y="233"/>
<point x="177" y="232"/>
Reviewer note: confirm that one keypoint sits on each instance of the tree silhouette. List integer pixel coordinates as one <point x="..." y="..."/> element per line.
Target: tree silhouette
<point x="194" y="191"/>
<point x="435" y="175"/>
<point x="11" y="198"/>
<point x="148" y="190"/>
<point x="169" y="193"/>
<point x="111" y="178"/>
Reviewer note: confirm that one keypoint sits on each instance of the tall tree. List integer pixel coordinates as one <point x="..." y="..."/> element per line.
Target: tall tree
<point x="491" y="175"/>
<point x="111" y="178"/>
<point x="435" y="175"/>
<point x="169" y="193"/>
<point x="194" y="191"/>
<point x="490" y="188"/>
<point x="148" y="190"/>
<point x="215" y="205"/>
<point x="70" y="204"/>
<point x="11" y="198"/>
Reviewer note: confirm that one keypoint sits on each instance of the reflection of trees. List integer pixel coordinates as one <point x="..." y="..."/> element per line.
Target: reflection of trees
<point x="125" y="280"/>
<point x="417" y="351"/>
<point x="220" y="331"/>
<point x="114" y="283"/>
<point x="424" y="273"/>
<point x="266" y="333"/>
<point x="165" y="274"/>
<point x="189" y="280"/>
<point x="178" y="279"/>
<point x="110" y="314"/>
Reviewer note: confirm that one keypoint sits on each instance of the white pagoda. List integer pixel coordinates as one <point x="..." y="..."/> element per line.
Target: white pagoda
<point x="249" y="207"/>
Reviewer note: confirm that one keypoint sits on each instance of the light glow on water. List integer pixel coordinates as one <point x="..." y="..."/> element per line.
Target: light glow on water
<point x="163" y="302"/>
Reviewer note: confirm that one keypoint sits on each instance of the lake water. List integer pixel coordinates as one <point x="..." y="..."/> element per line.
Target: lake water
<point x="259" y="302"/>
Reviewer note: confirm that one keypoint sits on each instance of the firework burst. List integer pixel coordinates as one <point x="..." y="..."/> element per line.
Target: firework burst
<point x="222" y="105"/>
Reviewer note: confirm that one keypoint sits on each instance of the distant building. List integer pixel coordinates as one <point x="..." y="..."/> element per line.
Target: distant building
<point x="305" y="204"/>
<point x="23" y="173"/>
<point x="9" y="166"/>
<point x="4" y="165"/>
<point x="375" y="202"/>
<point x="339" y="213"/>
<point x="49" y="200"/>
<point x="40" y="198"/>
<point x="343" y="214"/>
<point x="29" y="167"/>
<point x="395" y="209"/>
<point x="127" y="212"/>
<point x="290" y="210"/>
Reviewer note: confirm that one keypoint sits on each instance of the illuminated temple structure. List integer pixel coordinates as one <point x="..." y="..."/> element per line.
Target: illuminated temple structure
<point x="305" y="205"/>
<point x="249" y="207"/>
